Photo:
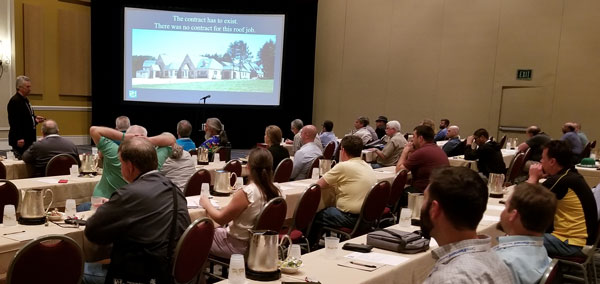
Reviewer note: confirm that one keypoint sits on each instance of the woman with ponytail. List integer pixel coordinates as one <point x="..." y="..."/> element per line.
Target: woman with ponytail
<point x="242" y="211"/>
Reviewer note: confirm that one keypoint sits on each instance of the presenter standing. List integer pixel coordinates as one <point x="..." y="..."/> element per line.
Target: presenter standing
<point x="21" y="118"/>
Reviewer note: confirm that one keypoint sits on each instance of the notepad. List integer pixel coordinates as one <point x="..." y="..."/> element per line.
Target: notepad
<point x="380" y="258"/>
<point x="21" y="236"/>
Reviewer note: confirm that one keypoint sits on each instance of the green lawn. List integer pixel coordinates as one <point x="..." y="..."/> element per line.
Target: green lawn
<point x="259" y="86"/>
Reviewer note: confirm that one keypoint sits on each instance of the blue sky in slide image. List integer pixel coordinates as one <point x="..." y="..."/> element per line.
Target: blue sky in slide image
<point x="179" y="43"/>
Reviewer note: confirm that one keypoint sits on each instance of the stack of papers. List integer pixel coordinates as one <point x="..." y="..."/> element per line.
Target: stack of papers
<point x="380" y="258"/>
<point x="193" y="202"/>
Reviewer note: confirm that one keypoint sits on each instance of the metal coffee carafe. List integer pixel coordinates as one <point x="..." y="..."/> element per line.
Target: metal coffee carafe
<point x="88" y="163"/>
<point x="263" y="257"/>
<point x="32" y="207"/>
<point x="496" y="185"/>
<point x="223" y="181"/>
<point x="415" y="201"/>
<point x="202" y="156"/>
<point x="325" y="165"/>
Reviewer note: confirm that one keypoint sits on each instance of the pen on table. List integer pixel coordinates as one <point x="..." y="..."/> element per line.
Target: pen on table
<point x="13" y="233"/>
<point x="362" y="264"/>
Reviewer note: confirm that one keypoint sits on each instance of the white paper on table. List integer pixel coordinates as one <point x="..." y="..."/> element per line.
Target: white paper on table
<point x="496" y="207"/>
<point x="378" y="258"/>
<point x="49" y="180"/>
<point x="194" y="202"/>
<point x="22" y="236"/>
<point x="491" y="218"/>
<point x="286" y="187"/>
<point x="385" y="172"/>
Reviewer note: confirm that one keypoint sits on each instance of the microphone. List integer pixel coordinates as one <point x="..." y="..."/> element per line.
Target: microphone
<point x="205" y="97"/>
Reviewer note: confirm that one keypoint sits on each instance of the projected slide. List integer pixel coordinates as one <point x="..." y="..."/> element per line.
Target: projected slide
<point x="180" y="57"/>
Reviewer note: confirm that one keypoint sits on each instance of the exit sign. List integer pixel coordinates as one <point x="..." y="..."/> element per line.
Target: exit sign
<point x="524" y="74"/>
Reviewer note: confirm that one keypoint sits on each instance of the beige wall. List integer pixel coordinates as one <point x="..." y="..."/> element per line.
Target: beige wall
<point x="436" y="59"/>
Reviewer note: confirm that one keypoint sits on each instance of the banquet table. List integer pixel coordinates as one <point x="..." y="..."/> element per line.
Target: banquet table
<point x="78" y="188"/>
<point x="212" y="167"/>
<point x="17" y="169"/>
<point x="459" y="161"/>
<point x="591" y="175"/>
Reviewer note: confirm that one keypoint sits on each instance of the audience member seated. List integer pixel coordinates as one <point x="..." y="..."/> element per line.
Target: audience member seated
<point x="184" y="130"/>
<point x="122" y="123"/>
<point x="111" y="166"/>
<point x="370" y="129"/>
<point x="40" y="152"/>
<point x="453" y="206"/>
<point x="582" y="136"/>
<point x="488" y="154"/>
<point x="380" y="124"/>
<point x="179" y="167"/>
<point x="536" y="139"/>
<point x="576" y="217"/>
<point x="327" y="134"/>
<point x="215" y="134"/>
<point x="139" y="220"/>
<point x="242" y="211"/>
<point x="429" y="122"/>
<point x="360" y="130"/>
<point x="345" y="186"/>
<point x="453" y="146"/>
<point x="574" y="142"/>
<point x="296" y="128"/>
<point x="420" y="157"/>
<point x="273" y="140"/>
<point x="442" y="134"/>
<point x="528" y="213"/>
<point x="393" y="148"/>
<point x="304" y="157"/>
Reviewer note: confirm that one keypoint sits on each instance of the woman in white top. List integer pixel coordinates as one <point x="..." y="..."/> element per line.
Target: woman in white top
<point x="244" y="207"/>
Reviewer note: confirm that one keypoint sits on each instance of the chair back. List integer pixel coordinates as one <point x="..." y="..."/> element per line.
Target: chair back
<point x="396" y="190"/>
<point x="502" y="142"/>
<point x="193" y="152"/>
<point x="307" y="208"/>
<point x="9" y="194"/>
<point x="225" y="153"/>
<point x="272" y="215"/>
<point x="593" y="145"/>
<point x="2" y="171"/>
<point x="47" y="259"/>
<point x="315" y="164"/>
<point x="192" y="250"/>
<point x="194" y="184"/>
<point x="587" y="150"/>
<point x="60" y="165"/>
<point x="374" y="203"/>
<point x="233" y="166"/>
<point x="283" y="172"/>
<point x="329" y="150"/>
<point x="552" y="275"/>
<point x="516" y="167"/>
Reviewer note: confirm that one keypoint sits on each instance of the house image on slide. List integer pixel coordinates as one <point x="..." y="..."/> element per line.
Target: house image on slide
<point x="197" y="67"/>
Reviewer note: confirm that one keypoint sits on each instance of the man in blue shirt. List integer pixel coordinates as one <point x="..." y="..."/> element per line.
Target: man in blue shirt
<point x="528" y="213"/>
<point x="327" y="134"/>
<point x="573" y="140"/>
<point x="184" y="130"/>
<point x="441" y="135"/>
<point x="453" y="146"/>
<point x="309" y="151"/>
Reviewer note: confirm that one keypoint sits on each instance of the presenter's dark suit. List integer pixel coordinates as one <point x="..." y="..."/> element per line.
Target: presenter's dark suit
<point x="40" y="153"/>
<point x="21" y="119"/>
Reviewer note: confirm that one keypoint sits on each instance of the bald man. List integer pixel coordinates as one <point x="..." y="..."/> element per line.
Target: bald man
<point x="309" y="151"/>
<point x="40" y="153"/>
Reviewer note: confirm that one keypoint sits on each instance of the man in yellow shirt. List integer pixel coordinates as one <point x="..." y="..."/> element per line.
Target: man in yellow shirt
<point x="349" y="181"/>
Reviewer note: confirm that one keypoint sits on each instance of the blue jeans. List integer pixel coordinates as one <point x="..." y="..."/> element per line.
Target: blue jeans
<point x="86" y="206"/>
<point x="94" y="273"/>
<point x="330" y="217"/>
<point x="376" y="166"/>
<point x="557" y="248"/>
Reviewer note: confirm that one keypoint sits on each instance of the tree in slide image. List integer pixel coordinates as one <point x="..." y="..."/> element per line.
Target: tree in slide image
<point x="239" y="53"/>
<point x="267" y="58"/>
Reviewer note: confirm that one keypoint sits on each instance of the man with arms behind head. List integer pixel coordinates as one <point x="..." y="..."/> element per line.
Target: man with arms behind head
<point x="575" y="220"/>
<point x="488" y="154"/>
<point x="40" y="153"/>
<point x="122" y="123"/>
<point x="536" y="140"/>
<point x="453" y="206"/>
<point x="304" y="157"/>
<point x="184" y="130"/>
<point x="143" y="220"/>
<point x="111" y="166"/>
<point x="528" y="213"/>
<point x="21" y="118"/>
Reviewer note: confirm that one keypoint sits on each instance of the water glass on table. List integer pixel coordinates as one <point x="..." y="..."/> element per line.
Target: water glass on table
<point x="237" y="269"/>
<point x="405" y="216"/>
<point x="315" y="173"/>
<point x="10" y="216"/>
<point x="331" y="247"/>
<point x="216" y="157"/>
<point x="205" y="190"/>
<point x="74" y="171"/>
<point x="97" y="201"/>
<point x="70" y="208"/>
<point x="294" y="251"/>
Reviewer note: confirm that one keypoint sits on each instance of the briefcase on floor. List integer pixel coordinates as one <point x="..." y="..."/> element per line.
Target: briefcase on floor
<point x="397" y="241"/>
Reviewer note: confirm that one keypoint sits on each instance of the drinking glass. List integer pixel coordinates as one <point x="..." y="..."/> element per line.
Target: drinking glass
<point x="331" y="247"/>
<point x="239" y="182"/>
<point x="70" y="207"/>
<point x="10" y="216"/>
<point x="94" y="151"/>
<point x="294" y="252"/>
<point x="405" y="216"/>
<point x="205" y="189"/>
<point x="315" y="173"/>
<point x="237" y="270"/>
<point x="74" y="171"/>
<point x="10" y="155"/>
<point x="216" y="157"/>
<point x="96" y="202"/>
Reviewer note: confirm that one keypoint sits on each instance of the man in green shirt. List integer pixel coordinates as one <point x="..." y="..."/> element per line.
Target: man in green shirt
<point x="111" y="166"/>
